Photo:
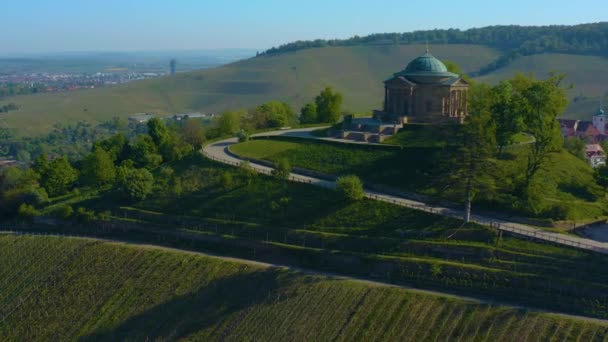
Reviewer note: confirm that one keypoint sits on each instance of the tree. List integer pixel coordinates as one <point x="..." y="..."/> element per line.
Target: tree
<point x="453" y="67"/>
<point x="308" y="114"/>
<point x="58" y="177"/>
<point x="601" y="177"/>
<point x="350" y="187"/>
<point x="159" y="132"/>
<point x="329" y="104"/>
<point x="134" y="184"/>
<point x="576" y="146"/>
<point x="116" y="146"/>
<point x="508" y="117"/>
<point x="541" y="101"/>
<point x="144" y="152"/>
<point x="282" y="170"/>
<point x="472" y="163"/>
<point x="98" y="168"/>
<point x="228" y="123"/>
<point x="168" y="144"/>
<point x="194" y="133"/>
<point x="41" y="163"/>
<point x="273" y="114"/>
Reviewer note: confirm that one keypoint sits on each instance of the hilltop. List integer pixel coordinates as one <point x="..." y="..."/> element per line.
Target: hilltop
<point x="357" y="71"/>
<point x="68" y="289"/>
<point x="296" y="77"/>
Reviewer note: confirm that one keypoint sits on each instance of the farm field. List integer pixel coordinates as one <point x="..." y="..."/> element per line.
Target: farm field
<point x="228" y="211"/>
<point x="91" y="290"/>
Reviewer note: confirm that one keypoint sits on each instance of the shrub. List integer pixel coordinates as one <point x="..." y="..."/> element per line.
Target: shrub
<point x="350" y="187"/>
<point x="27" y="211"/>
<point x="84" y="215"/>
<point x="135" y="184"/>
<point x="35" y="196"/>
<point x="104" y="215"/>
<point x="242" y="135"/>
<point x="247" y="171"/>
<point x="64" y="212"/>
<point x="282" y="170"/>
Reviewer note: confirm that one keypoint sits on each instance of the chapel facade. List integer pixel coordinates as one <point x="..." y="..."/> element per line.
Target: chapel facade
<point x="424" y="92"/>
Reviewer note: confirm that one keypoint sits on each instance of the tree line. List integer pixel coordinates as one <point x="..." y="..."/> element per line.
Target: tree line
<point x="126" y="157"/>
<point x="517" y="40"/>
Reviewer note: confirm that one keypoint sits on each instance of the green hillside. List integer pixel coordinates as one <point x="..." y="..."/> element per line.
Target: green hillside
<point x="568" y="190"/>
<point x="294" y="77"/>
<point x="584" y="73"/>
<point x="67" y="289"/>
<point x="357" y="71"/>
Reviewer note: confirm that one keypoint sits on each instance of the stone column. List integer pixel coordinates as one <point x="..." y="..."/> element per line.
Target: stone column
<point x="385" y="99"/>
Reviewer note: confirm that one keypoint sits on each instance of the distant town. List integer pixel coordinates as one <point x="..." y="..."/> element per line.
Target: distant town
<point x="47" y="82"/>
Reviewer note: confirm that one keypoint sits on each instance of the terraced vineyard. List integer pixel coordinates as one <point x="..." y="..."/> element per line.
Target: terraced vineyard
<point x="260" y="218"/>
<point x="55" y="288"/>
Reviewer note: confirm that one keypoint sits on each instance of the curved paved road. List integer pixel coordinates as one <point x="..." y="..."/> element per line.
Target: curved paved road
<point x="219" y="151"/>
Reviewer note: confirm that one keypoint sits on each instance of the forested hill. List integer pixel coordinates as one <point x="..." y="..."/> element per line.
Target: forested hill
<point x="516" y="41"/>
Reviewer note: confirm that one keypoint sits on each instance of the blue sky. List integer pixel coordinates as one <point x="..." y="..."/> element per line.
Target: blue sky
<point x="137" y="25"/>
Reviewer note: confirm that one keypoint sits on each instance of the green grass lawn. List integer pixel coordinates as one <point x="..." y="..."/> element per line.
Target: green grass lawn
<point x="68" y="289"/>
<point x="565" y="186"/>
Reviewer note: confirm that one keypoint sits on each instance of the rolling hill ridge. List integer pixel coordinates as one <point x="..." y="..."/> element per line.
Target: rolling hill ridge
<point x="296" y="77"/>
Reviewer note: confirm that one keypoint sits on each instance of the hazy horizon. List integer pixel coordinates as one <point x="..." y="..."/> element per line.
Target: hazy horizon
<point x="67" y="26"/>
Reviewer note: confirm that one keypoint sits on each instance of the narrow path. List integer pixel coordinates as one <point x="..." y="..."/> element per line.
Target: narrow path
<point x="305" y="271"/>
<point x="218" y="151"/>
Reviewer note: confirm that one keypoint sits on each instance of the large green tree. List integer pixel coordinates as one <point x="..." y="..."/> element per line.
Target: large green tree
<point x="508" y="117"/>
<point x="228" y="123"/>
<point x="144" y="152"/>
<point x="116" y="146"/>
<point x="58" y="177"/>
<point x="273" y="114"/>
<point x="540" y="103"/>
<point x="472" y="163"/>
<point x="308" y="114"/>
<point x="329" y="105"/>
<point x="134" y="184"/>
<point x="158" y="131"/>
<point x="98" y="168"/>
<point x="193" y="132"/>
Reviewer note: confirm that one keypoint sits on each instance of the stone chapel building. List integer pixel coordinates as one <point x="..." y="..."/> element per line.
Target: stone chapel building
<point x="425" y="91"/>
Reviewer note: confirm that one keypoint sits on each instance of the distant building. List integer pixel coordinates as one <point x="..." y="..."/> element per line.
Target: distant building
<point x="179" y="117"/>
<point x="593" y="131"/>
<point x="141" y="117"/>
<point x="595" y="155"/>
<point x="7" y="163"/>
<point x="172" y="66"/>
<point x="425" y="91"/>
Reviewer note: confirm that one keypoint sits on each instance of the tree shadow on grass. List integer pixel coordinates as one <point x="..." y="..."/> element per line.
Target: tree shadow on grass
<point x="208" y="307"/>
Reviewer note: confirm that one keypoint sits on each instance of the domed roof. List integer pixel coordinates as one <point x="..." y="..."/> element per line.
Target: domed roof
<point x="426" y="62"/>
<point x="427" y="65"/>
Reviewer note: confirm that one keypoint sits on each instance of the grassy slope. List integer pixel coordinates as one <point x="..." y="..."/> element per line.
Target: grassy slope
<point x="72" y="288"/>
<point x="293" y="77"/>
<point x="297" y="77"/>
<point x="312" y="227"/>
<point x="418" y="163"/>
